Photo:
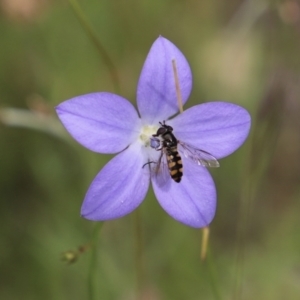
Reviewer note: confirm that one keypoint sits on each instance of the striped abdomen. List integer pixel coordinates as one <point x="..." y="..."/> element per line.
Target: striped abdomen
<point x="174" y="163"/>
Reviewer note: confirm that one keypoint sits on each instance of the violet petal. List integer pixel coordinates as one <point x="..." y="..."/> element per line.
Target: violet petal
<point x="216" y="127"/>
<point x="101" y="122"/>
<point x="192" y="201"/>
<point x="156" y="93"/>
<point x="119" y="187"/>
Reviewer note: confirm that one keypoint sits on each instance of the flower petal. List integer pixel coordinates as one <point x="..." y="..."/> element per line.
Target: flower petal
<point x="216" y="127"/>
<point x="156" y="93"/>
<point x="192" y="201"/>
<point x="119" y="188"/>
<point x="101" y="122"/>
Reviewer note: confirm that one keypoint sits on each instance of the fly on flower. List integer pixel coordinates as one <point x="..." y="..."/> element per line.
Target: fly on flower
<point x="108" y="123"/>
<point x="165" y="141"/>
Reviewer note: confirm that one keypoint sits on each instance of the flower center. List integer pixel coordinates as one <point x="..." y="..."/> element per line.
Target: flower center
<point x="146" y="134"/>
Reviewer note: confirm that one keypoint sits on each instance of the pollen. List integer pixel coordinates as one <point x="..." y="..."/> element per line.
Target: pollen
<point x="146" y="134"/>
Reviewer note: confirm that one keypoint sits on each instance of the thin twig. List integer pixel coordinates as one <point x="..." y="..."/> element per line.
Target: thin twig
<point x="212" y="276"/>
<point x="93" y="36"/>
<point x="93" y="274"/>
<point x="140" y="274"/>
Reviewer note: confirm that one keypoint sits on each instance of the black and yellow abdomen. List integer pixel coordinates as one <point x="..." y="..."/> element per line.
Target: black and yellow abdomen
<point x="174" y="163"/>
<point x="169" y="148"/>
<point x="167" y="143"/>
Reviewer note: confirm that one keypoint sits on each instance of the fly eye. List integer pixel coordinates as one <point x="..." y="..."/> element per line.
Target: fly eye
<point x="169" y="128"/>
<point x="161" y="131"/>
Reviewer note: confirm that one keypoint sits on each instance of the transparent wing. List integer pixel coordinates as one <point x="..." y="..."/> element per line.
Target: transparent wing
<point x="160" y="169"/>
<point x="199" y="156"/>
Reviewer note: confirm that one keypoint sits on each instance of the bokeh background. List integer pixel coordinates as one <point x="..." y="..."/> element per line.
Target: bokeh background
<point x="245" y="52"/>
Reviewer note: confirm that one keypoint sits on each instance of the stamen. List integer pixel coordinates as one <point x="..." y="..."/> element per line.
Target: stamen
<point x="177" y="86"/>
<point x="205" y="238"/>
<point x="146" y="134"/>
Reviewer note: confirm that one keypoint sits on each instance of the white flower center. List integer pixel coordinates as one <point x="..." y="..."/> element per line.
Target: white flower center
<point x="146" y="134"/>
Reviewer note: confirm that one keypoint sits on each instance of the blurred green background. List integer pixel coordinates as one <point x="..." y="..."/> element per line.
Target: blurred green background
<point x="246" y="52"/>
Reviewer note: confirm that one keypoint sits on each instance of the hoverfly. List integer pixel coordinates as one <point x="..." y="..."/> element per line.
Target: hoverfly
<point x="165" y="141"/>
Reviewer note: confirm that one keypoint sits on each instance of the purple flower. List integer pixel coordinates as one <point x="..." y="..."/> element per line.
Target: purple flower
<point x="107" y="123"/>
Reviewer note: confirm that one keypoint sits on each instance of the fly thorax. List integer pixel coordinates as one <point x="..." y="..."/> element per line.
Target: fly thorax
<point x="169" y="140"/>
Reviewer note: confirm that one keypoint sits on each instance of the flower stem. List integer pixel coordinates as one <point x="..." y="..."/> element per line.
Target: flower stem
<point x="210" y="268"/>
<point x="93" y="274"/>
<point x="263" y="141"/>
<point x="140" y="274"/>
<point x="25" y="118"/>
<point x="92" y="35"/>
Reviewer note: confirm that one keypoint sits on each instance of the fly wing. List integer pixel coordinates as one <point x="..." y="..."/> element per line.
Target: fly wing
<point x="199" y="156"/>
<point x="160" y="169"/>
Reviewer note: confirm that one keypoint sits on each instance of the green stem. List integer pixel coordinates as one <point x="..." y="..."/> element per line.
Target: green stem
<point x="263" y="141"/>
<point x="93" y="36"/>
<point x="17" y="117"/>
<point x="210" y="268"/>
<point x="244" y="217"/>
<point x="140" y="275"/>
<point x="93" y="274"/>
